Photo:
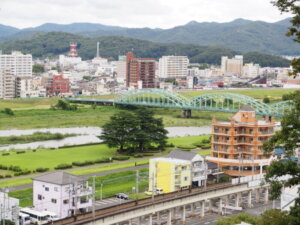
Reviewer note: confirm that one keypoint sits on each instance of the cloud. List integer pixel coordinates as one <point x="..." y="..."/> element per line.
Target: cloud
<point x="134" y="13"/>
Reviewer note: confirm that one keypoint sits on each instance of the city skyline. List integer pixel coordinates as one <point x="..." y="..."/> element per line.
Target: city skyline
<point x="142" y="13"/>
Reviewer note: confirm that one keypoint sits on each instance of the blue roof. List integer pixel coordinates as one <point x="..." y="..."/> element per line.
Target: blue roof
<point x="279" y="151"/>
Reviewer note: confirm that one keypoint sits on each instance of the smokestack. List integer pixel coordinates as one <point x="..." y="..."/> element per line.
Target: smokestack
<point x="98" y="50"/>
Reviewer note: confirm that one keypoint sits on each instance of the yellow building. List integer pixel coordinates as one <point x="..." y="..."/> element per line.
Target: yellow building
<point x="169" y="174"/>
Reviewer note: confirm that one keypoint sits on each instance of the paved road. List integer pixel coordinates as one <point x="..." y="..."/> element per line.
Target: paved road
<point x="20" y="187"/>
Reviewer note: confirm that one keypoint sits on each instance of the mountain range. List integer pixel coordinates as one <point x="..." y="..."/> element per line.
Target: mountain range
<point x="51" y="44"/>
<point x="240" y="35"/>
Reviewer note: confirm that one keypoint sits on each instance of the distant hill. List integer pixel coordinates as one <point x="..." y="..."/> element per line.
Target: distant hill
<point x="239" y="35"/>
<point x="54" y="43"/>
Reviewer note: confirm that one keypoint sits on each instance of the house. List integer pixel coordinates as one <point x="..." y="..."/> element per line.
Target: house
<point x="9" y="208"/>
<point x="61" y="193"/>
<point x="197" y="165"/>
<point x="169" y="174"/>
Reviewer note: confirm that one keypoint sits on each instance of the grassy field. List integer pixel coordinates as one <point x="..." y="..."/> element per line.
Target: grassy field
<point x="106" y="186"/>
<point x="35" y="113"/>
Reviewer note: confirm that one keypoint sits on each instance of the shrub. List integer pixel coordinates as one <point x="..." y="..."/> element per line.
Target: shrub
<point x="103" y="160"/>
<point x="138" y="155"/>
<point x="3" y="167"/>
<point x="63" y="166"/>
<point x="41" y="170"/>
<point x="120" y="157"/>
<point x="20" y="152"/>
<point x="266" y="100"/>
<point x="187" y="146"/>
<point x="23" y="172"/>
<point x="8" y="176"/>
<point x="34" y="150"/>
<point x="6" y="153"/>
<point x="1" y="176"/>
<point x="85" y="163"/>
<point x="171" y="145"/>
<point x="8" y="111"/>
<point x="15" y="168"/>
<point x="148" y="154"/>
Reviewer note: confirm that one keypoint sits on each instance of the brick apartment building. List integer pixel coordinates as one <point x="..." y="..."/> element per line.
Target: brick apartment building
<point x="140" y="72"/>
<point x="58" y="85"/>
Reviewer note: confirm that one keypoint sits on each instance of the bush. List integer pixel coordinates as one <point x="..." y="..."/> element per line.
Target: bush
<point x="8" y="111"/>
<point x="6" y="153"/>
<point x="85" y="163"/>
<point x="1" y="176"/>
<point x="103" y="160"/>
<point x="41" y="170"/>
<point x="2" y="167"/>
<point x="120" y="157"/>
<point x="171" y="145"/>
<point x="187" y="146"/>
<point x="20" y="152"/>
<point x="138" y="155"/>
<point x="15" y="168"/>
<point x="63" y="166"/>
<point x="8" y="176"/>
<point x="148" y="154"/>
<point x="23" y="172"/>
<point x="266" y="100"/>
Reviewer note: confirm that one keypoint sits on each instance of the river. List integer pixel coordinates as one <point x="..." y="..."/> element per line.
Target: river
<point x="86" y="135"/>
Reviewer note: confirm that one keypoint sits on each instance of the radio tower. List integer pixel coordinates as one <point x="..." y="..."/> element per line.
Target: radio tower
<point x="73" y="49"/>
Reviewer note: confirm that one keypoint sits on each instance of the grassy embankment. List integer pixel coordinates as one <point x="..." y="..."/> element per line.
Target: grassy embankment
<point x="46" y="158"/>
<point x="35" y="113"/>
<point x="37" y="136"/>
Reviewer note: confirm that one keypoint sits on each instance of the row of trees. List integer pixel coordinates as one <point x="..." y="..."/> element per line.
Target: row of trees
<point x="135" y="131"/>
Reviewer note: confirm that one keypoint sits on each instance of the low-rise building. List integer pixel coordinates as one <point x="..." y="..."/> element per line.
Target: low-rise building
<point x="169" y="174"/>
<point x="197" y="164"/>
<point x="58" y="85"/>
<point x="61" y="193"/>
<point x="9" y="208"/>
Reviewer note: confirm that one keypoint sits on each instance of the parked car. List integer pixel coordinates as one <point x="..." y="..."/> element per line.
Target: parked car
<point x="158" y="191"/>
<point x="122" y="196"/>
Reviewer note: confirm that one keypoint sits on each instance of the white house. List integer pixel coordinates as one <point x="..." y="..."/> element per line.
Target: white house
<point x="198" y="165"/>
<point x="9" y="208"/>
<point x="61" y="193"/>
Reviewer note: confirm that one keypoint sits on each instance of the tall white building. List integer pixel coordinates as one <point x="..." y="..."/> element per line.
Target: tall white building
<point x="61" y="193"/>
<point x="121" y="67"/>
<point x="173" y="66"/>
<point x="7" y="84"/>
<point x="19" y="64"/>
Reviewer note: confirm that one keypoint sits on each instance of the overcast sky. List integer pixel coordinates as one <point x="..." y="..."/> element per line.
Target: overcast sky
<point x="134" y="13"/>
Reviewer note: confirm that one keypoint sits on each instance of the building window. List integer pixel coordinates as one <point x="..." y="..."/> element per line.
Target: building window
<point x="46" y="189"/>
<point x="185" y="178"/>
<point x="55" y="188"/>
<point x="39" y="197"/>
<point x="53" y="200"/>
<point x="66" y="201"/>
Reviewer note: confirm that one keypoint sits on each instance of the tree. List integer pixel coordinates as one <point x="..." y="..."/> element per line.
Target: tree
<point x="151" y="130"/>
<point x="292" y="7"/>
<point x="119" y="131"/>
<point x="289" y="139"/>
<point x="266" y="100"/>
<point x="235" y="219"/>
<point x="135" y="131"/>
<point x="274" y="217"/>
<point x="38" y="68"/>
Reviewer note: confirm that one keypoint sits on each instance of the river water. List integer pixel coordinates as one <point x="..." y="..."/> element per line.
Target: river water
<point x="86" y="135"/>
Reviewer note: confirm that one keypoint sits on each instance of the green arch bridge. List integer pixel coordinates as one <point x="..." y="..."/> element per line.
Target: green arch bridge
<point x="217" y="102"/>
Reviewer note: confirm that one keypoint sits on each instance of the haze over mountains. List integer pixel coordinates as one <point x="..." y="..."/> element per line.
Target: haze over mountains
<point x="240" y="35"/>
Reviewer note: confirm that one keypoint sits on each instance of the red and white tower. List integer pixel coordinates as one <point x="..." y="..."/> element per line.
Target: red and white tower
<point x="73" y="49"/>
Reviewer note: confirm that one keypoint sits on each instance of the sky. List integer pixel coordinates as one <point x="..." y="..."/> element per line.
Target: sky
<point x="134" y="13"/>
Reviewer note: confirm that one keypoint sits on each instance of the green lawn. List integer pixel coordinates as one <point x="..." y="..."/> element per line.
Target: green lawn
<point x="35" y="113"/>
<point x="25" y="196"/>
<point x="48" y="158"/>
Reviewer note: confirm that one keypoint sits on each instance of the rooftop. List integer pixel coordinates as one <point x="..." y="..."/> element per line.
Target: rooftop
<point x="170" y="160"/>
<point x="60" y="178"/>
<point x="184" y="155"/>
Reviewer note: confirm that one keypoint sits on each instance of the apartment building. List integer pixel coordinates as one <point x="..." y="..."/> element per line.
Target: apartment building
<point x="58" y="85"/>
<point x="232" y="66"/>
<point x="140" y="72"/>
<point x="7" y="84"/>
<point x="250" y="70"/>
<point x="237" y="144"/>
<point x="173" y="66"/>
<point x="19" y="64"/>
<point x="197" y="164"/>
<point x="61" y="193"/>
<point x="169" y="174"/>
<point x="9" y="207"/>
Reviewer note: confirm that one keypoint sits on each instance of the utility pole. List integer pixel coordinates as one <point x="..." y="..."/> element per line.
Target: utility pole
<point x="75" y="192"/>
<point x="101" y="194"/>
<point x="94" y="192"/>
<point x="137" y="186"/>
<point x="153" y="186"/>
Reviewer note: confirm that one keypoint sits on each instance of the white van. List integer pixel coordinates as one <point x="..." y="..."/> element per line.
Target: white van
<point x="36" y="217"/>
<point x="24" y="219"/>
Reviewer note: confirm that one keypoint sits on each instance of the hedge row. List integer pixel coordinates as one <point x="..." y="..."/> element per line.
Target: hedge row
<point x="91" y="162"/>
